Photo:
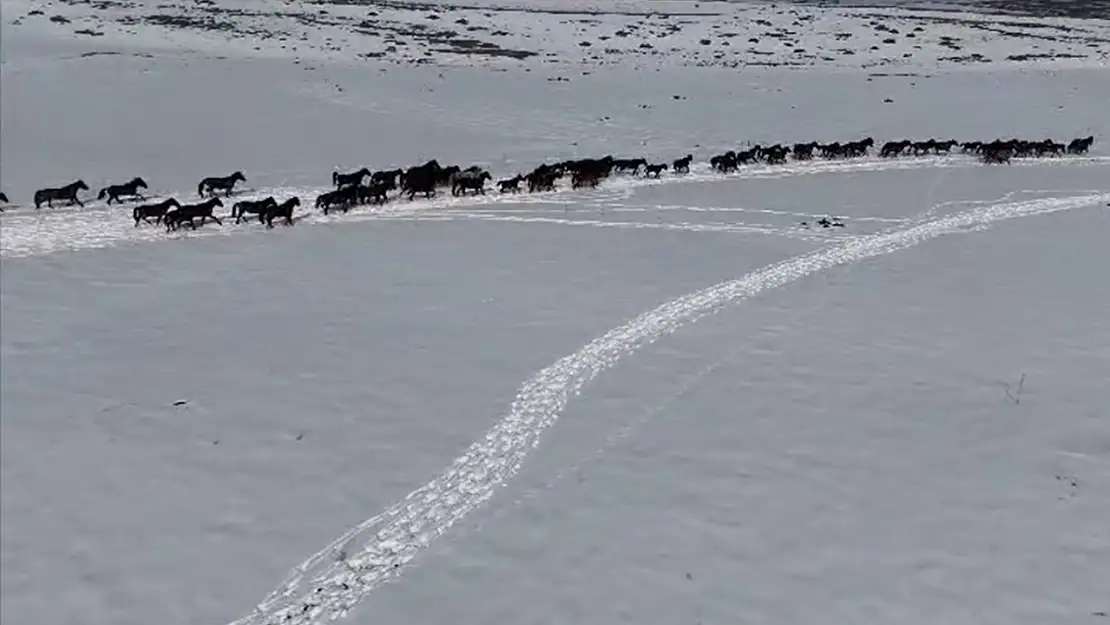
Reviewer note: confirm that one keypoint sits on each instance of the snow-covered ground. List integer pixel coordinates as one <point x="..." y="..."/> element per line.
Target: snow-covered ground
<point x="656" y="402"/>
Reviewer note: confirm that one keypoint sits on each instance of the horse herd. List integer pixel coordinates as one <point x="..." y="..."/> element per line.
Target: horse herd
<point x="374" y="187"/>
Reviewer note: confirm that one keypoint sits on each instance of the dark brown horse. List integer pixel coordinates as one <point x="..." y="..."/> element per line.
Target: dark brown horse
<point x="213" y="184"/>
<point x="188" y="212"/>
<point x="67" y="193"/>
<point x="157" y="211"/>
<point x="283" y="210"/>
<point x="116" y="191"/>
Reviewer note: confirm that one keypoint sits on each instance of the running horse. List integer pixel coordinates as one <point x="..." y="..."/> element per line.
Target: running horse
<point x="67" y="193"/>
<point x="116" y="191"/>
<point x="215" y="183"/>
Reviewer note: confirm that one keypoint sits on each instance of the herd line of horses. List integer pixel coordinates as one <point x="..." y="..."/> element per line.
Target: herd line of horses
<point x="374" y="187"/>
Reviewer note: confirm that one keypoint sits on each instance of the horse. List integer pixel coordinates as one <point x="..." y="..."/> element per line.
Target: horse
<point x="173" y="219"/>
<point x="115" y="191"/>
<point x="241" y="209"/>
<point x="376" y="193"/>
<point x="3" y="200"/>
<point x="389" y="176"/>
<point x="775" y="155"/>
<point x="997" y="155"/>
<point x="157" y="211"/>
<point x="682" y="165"/>
<point x="584" y="179"/>
<point x="510" y="185"/>
<point x="346" y="180"/>
<point x="474" y="180"/>
<point x="419" y="181"/>
<point x="653" y="171"/>
<point x="216" y="183"/>
<point x="1080" y="146"/>
<point x="804" y="151"/>
<point x="631" y="165"/>
<point x="283" y="210"/>
<point x="67" y="193"/>
<point x="340" y="198"/>
<point x="543" y="178"/>
<point x="894" y="148"/>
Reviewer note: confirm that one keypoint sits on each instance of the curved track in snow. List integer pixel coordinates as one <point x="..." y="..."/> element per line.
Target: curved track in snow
<point x="332" y="582"/>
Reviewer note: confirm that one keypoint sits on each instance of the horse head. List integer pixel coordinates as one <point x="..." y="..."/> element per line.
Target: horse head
<point x="293" y="201"/>
<point x="139" y="182"/>
<point x="215" y="202"/>
<point x="238" y="176"/>
<point x="80" y="185"/>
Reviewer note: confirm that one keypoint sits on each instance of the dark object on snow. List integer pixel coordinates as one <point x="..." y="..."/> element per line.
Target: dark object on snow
<point x="67" y="193"/>
<point x="283" y="210"/>
<point x="157" y="211"/>
<point x="115" y="191"/>
<point x="216" y="183"/>
<point x="187" y="213"/>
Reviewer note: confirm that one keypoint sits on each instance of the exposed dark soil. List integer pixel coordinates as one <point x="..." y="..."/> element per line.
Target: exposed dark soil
<point x="1080" y="9"/>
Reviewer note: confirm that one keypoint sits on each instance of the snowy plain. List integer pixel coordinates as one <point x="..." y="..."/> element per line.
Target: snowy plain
<point x="903" y="421"/>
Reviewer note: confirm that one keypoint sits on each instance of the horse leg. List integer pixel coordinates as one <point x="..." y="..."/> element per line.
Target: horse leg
<point x="216" y="219"/>
<point x="78" y="201"/>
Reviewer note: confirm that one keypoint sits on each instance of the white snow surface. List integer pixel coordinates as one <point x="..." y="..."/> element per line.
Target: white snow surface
<point x="656" y="402"/>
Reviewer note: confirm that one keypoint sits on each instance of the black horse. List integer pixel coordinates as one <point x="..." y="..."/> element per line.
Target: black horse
<point x="1080" y="146"/>
<point x="67" y="193"/>
<point x="376" y="193"/>
<point x="340" y="198"/>
<point x="347" y="180"/>
<point x="653" y="171"/>
<point x="216" y="183"/>
<point x="283" y="210"/>
<point x="585" y="178"/>
<point x="157" y="211"/>
<point x="472" y="180"/>
<point x="388" y="176"/>
<point x="682" y="165"/>
<point x="116" y="191"/>
<point x="3" y="200"/>
<point x="187" y="213"/>
<point x="257" y="207"/>
<point x="510" y="185"/>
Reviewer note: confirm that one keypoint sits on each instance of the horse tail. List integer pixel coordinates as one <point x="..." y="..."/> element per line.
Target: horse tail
<point x="335" y="178"/>
<point x="200" y="189"/>
<point x="103" y="192"/>
<point x="135" y="213"/>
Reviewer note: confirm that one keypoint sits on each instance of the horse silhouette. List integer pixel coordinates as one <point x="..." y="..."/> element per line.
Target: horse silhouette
<point x="116" y="191"/>
<point x="67" y="193"/>
<point x="283" y="210"/>
<point x="239" y="210"/>
<point x="213" y="184"/>
<point x="347" y="180"/>
<point x="189" y="212"/>
<point x="157" y="211"/>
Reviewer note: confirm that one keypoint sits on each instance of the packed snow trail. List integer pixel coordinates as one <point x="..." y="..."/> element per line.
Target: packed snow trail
<point x="332" y="582"/>
<point x="27" y="232"/>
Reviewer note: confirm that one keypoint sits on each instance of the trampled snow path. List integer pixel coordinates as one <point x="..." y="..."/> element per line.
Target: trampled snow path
<point x="333" y="581"/>
<point x="28" y="232"/>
